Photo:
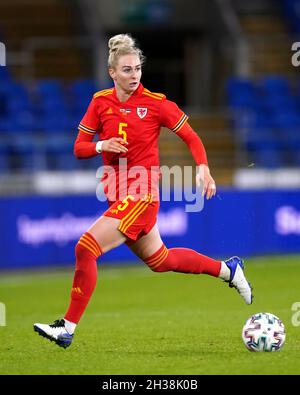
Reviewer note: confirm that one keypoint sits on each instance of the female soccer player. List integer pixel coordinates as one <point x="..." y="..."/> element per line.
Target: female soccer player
<point x="128" y="119"/>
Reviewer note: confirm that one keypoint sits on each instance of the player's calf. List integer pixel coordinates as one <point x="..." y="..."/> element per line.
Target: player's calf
<point x="183" y="260"/>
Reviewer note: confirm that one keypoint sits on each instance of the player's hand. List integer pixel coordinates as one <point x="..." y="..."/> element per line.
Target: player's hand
<point x="115" y="144"/>
<point x="205" y="180"/>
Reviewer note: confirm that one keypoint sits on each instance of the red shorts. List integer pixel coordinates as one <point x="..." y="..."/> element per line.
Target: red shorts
<point x="138" y="216"/>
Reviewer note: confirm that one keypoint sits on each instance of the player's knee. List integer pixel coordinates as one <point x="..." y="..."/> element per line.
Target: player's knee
<point x="87" y="246"/>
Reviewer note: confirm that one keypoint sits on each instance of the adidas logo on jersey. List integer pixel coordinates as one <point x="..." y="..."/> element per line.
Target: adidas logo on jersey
<point x="109" y="111"/>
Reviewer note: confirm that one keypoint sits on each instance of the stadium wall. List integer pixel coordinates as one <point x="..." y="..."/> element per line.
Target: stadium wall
<point x="41" y="231"/>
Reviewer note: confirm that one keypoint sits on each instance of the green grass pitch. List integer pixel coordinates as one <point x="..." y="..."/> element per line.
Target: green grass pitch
<point x="140" y="322"/>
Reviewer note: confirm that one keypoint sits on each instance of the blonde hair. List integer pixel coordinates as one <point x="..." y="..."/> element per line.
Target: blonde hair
<point x="122" y="44"/>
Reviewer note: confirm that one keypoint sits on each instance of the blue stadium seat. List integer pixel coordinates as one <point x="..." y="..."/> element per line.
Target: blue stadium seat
<point x="259" y="137"/>
<point x="53" y="124"/>
<point x="73" y="122"/>
<point x="49" y="87"/>
<point x="265" y="149"/>
<point x="41" y="122"/>
<point x="59" y="150"/>
<point x="263" y="119"/>
<point x="280" y="103"/>
<point x="270" y="127"/>
<point x="19" y="113"/>
<point x="3" y="97"/>
<point x="3" y="123"/>
<point x="276" y="94"/>
<point x="5" y="74"/>
<point x="269" y="157"/>
<point x="296" y="157"/>
<point x="51" y="98"/>
<point x="287" y="119"/>
<point x="53" y="105"/>
<point x="297" y="92"/>
<point x="23" y="150"/>
<point x="240" y="93"/>
<point x="85" y="87"/>
<point x="242" y="100"/>
<point x="4" y="156"/>
<point x="275" y="85"/>
<point x="288" y="125"/>
<point x="235" y="84"/>
<point x="81" y="92"/>
<point x="22" y="123"/>
<point x="263" y="142"/>
<point x="291" y="9"/>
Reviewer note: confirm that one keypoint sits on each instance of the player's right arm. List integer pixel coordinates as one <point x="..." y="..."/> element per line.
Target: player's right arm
<point x="85" y="147"/>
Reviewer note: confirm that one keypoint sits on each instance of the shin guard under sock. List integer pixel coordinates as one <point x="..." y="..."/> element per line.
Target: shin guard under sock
<point x="87" y="251"/>
<point x="183" y="260"/>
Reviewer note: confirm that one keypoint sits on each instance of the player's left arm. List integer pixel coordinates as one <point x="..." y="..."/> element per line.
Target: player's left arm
<point x="196" y="146"/>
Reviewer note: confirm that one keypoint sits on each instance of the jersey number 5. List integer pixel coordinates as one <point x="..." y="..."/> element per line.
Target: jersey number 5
<point x="122" y="132"/>
<point x="125" y="203"/>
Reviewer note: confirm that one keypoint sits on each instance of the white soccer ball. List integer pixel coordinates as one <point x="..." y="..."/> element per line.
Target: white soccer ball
<point x="263" y="332"/>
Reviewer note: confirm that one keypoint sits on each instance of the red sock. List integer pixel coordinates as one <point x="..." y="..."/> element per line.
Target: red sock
<point x="183" y="260"/>
<point x="87" y="251"/>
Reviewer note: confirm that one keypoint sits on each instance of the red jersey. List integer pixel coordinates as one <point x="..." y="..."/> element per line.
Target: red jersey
<point x="138" y="121"/>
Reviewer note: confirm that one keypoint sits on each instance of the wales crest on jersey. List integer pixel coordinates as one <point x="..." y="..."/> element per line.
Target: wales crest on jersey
<point x="141" y="112"/>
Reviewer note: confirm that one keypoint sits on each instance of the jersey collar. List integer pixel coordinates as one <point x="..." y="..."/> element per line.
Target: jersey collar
<point x="136" y="93"/>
